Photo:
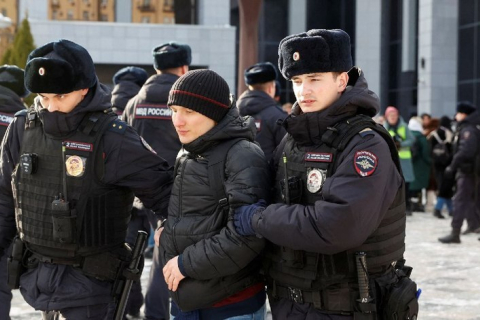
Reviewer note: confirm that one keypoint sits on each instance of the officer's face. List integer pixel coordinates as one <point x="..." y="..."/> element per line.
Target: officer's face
<point x="318" y="91"/>
<point x="64" y="103"/>
<point x="190" y="124"/>
<point x="460" y="116"/>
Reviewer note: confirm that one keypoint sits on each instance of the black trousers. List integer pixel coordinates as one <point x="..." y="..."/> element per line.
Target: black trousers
<point x="287" y="309"/>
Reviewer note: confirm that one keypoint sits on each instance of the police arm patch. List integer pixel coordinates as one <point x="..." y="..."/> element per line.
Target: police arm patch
<point x="365" y="163"/>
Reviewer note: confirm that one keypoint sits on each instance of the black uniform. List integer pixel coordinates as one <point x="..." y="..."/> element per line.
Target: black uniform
<point x="466" y="203"/>
<point x="310" y="266"/>
<point x="103" y="162"/>
<point x="268" y="116"/>
<point x="10" y="104"/>
<point x="122" y="92"/>
<point x="149" y="115"/>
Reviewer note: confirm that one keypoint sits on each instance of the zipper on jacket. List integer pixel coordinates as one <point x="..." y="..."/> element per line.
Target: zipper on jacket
<point x="184" y="163"/>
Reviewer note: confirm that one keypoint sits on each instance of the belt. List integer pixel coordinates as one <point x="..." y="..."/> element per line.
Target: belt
<point x="330" y="301"/>
<point x="76" y="262"/>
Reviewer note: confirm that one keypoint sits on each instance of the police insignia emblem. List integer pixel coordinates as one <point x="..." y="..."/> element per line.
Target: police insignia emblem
<point x="315" y="180"/>
<point x="296" y="56"/>
<point x="75" y="166"/>
<point x="365" y="163"/>
<point x="41" y="71"/>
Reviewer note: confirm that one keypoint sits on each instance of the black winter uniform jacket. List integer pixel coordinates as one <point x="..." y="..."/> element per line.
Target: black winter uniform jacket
<point x="157" y="128"/>
<point x="467" y="144"/>
<point x="267" y="114"/>
<point x="218" y="261"/>
<point x="351" y="206"/>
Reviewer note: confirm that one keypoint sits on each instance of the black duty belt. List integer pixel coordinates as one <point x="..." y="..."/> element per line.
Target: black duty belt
<point x="334" y="301"/>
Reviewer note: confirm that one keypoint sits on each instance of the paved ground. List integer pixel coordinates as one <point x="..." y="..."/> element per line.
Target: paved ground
<point x="449" y="275"/>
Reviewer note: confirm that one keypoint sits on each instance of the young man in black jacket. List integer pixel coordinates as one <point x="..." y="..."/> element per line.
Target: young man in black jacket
<point x="69" y="172"/>
<point x="211" y="270"/>
<point x="338" y="186"/>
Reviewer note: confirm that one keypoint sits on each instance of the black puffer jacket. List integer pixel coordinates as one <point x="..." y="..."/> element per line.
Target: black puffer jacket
<point x="267" y="114"/>
<point x="218" y="261"/>
<point x="157" y="130"/>
<point x="10" y="103"/>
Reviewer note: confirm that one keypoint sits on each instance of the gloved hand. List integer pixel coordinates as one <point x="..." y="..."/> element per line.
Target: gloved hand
<point x="242" y="217"/>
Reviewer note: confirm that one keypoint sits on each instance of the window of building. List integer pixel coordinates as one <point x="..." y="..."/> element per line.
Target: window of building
<point x="86" y="15"/>
<point x="104" y="3"/>
<point x="104" y="17"/>
<point x="70" y="15"/>
<point x="54" y="14"/>
<point x="4" y="12"/>
<point x="146" y="3"/>
<point x="145" y="19"/>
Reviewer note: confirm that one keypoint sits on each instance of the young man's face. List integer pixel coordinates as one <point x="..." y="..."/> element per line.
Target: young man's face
<point x="459" y="116"/>
<point x="190" y="124"/>
<point x="64" y="102"/>
<point x="318" y="91"/>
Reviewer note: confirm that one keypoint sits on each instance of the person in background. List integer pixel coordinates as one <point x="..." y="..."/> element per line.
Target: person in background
<point x="12" y="92"/>
<point x="126" y="84"/>
<point x="421" y="161"/>
<point x="404" y="140"/>
<point x="464" y="167"/>
<point x="441" y="141"/>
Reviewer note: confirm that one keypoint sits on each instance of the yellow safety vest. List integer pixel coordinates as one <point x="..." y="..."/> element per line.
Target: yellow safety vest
<point x="403" y="152"/>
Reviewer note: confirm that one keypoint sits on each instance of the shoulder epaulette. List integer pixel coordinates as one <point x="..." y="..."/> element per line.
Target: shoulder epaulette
<point x="21" y="113"/>
<point x="118" y="126"/>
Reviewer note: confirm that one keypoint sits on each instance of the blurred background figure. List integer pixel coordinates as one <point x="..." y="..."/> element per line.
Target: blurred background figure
<point x="127" y="82"/>
<point x="404" y="140"/>
<point x="441" y="144"/>
<point x="421" y="161"/>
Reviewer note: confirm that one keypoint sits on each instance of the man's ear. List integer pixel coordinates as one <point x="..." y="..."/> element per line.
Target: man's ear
<point x="342" y="81"/>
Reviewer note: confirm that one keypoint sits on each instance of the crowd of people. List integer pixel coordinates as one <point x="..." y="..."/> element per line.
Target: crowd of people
<point x="245" y="198"/>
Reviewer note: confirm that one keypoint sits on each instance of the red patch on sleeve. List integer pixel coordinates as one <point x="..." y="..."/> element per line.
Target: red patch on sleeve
<point x="365" y="163"/>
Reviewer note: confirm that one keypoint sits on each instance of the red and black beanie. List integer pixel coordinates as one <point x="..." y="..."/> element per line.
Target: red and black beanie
<point x="203" y="91"/>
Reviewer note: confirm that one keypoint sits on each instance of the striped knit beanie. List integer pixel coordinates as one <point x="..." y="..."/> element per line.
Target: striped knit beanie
<point x="203" y="91"/>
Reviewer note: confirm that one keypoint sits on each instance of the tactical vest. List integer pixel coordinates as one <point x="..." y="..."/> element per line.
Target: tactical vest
<point x="307" y="276"/>
<point x="63" y="210"/>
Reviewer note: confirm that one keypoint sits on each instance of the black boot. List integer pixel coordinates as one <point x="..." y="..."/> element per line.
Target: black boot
<point x="438" y="214"/>
<point x="453" y="237"/>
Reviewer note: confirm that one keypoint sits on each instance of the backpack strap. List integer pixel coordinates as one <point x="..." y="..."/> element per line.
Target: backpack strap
<point x="216" y="169"/>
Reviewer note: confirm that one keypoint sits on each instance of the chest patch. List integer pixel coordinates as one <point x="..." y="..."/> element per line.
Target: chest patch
<point x="75" y="166"/>
<point x="365" y="163"/>
<point x="82" y="146"/>
<point x="318" y="157"/>
<point x="151" y="111"/>
<point x="315" y="180"/>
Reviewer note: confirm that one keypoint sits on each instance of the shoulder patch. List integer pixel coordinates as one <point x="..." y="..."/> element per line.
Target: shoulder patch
<point x="365" y="132"/>
<point x="365" y="163"/>
<point x="21" y="113"/>
<point x="118" y="126"/>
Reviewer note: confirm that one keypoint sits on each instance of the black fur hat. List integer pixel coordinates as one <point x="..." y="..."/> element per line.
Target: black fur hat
<point x="59" y="67"/>
<point x="317" y="50"/>
<point x="171" y="55"/>
<point x="466" y="107"/>
<point x="132" y="74"/>
<point x="12" y="77"/>
<point x="260" y="73"/>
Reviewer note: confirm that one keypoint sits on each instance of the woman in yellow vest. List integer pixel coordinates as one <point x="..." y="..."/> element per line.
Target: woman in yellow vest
<point x="404" y="140"/>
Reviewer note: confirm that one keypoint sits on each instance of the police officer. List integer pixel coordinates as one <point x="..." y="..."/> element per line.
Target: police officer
<point x="466" y="146"/>
<point x="339" y="190"/>
<point x="127" y="82"/>
<point x="258" y="102"/>
<point x="149" y="114"/>
<point x="12" y="92"/>
<point x="73" y="167"/>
